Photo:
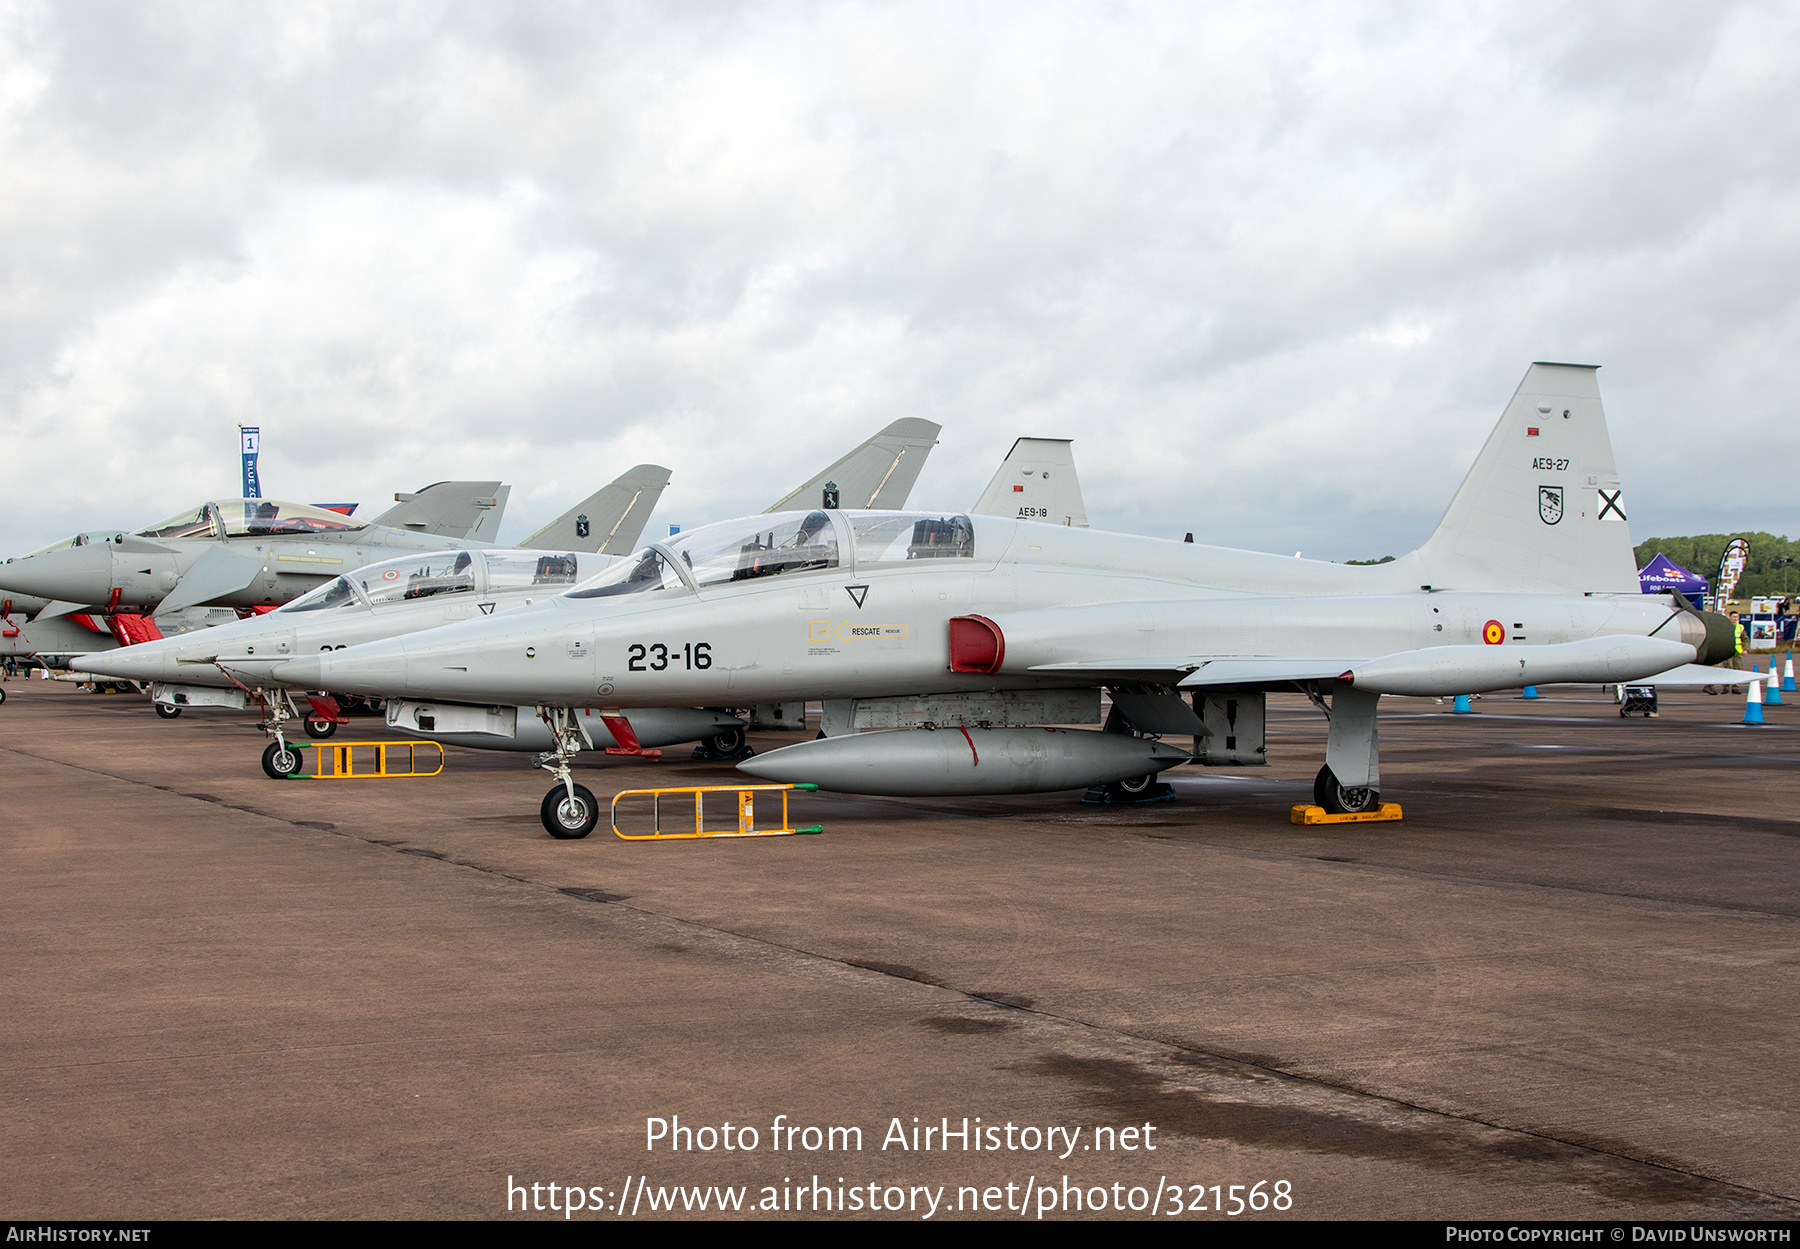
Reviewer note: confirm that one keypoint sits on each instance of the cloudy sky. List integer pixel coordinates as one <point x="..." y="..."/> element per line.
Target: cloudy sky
<point x="1276" y="270"/>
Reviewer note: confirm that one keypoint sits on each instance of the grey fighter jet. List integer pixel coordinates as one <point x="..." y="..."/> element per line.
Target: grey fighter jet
<point x="258" y="553"/>
<point x="230" y="665"/>
<point x="964" y="637"/>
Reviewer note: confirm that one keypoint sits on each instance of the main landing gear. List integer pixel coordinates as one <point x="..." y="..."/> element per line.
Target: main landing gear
<point x="1350" y="781"/>
<point x="728" y="744"/>
<point x="1343" y="800"/>
<point x="167" y="711"/>
<point x="569" y="811"/>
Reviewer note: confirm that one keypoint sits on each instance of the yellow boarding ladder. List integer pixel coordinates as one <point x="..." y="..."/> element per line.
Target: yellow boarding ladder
<point x="746" y="812"/>
<point x="345" y="764"/>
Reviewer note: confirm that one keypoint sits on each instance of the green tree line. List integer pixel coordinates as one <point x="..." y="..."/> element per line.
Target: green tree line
<point x="1766" y="573"/>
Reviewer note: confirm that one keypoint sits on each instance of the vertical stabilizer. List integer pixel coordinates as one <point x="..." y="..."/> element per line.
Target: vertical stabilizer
<point x="488" y="525"/>
<point x="608" y="522"/>
<point x="450" y="509"/>
<point x="1541" y="511"/>
<point x="1036" y="482"/>
<point x="878" y="474"/>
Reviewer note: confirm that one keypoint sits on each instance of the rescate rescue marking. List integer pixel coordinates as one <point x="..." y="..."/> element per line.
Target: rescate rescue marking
<point x="1493" y="633"/>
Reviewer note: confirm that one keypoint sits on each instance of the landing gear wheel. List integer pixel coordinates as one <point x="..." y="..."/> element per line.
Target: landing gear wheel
<point x="727" y="743"/>
<point x="2" y="696"/>
<point x="167" y="711"/>
<point x="319" y="730"/>
<point x="1136" y="787"/>
<point x="1339" y="800"/>
<point x="570" y="821"/>
<point x="282" y="761"/>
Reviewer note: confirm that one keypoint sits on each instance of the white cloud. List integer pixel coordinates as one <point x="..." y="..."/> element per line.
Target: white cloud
<point x="1277" y="271"/>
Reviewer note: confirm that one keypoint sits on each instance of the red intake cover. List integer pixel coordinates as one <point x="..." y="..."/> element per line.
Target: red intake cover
<point x="976" y="645"/>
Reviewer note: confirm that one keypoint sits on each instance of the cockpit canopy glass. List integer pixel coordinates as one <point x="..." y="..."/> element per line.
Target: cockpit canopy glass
<point x="80" y="539"/>
<point x="238" y="518"/>
<point x="333" y="594"/>
<point x="636" y="574"/>
<point x="197" y="523"/>
<point x="896" y="537"/>
<point x="522" y="570"/>
<point x="744" y="550"/>
<point x="419" y="576"/>
<point x="256" y="517"/>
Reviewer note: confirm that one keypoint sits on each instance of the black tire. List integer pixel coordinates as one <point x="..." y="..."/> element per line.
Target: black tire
<point x="319" y="730"/>
<point x="167" y="711"/>
<point x="2" y="695"/>
<point x="564" y="823"/>
<point x="727" y="743"/>
<point x="281" y="761"/>
<point x="1137" y="786"/>
<point x="1337" y="800"/>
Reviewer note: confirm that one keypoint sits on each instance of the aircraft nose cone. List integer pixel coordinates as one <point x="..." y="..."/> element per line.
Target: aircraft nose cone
<point x="123" y="664"/>
<point x="72" y="576"/>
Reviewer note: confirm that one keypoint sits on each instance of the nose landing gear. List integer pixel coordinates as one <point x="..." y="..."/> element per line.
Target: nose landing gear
<point x="569" y="811"/>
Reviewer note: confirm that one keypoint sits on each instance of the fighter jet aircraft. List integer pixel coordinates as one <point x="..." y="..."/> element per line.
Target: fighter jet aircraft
<point x="264" y="552"/>
<point x="229" y="666"/>
<point x="964" y="637"/>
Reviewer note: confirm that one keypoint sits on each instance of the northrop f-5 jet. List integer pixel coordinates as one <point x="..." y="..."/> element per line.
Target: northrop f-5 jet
<point x="965" y="640"/>
<point x="230" y="665"/>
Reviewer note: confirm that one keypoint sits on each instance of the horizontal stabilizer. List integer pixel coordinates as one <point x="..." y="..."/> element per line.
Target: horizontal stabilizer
<point x="1036" y="482"/>
<point x="878" y="474"/>
<point x="608" y="522"/>
<point x="1701" y="674"/>
<point x="449" y="509"/>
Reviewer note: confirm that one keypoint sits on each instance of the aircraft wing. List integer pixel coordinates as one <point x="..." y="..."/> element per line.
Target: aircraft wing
<point x="1036" y="481"/>
<point x="608" y="522"/>
<point x="1195" y="672"/>
<point x="878" y="474"/>
<point x="218" y="572"/>
<point x="449" y="509"/>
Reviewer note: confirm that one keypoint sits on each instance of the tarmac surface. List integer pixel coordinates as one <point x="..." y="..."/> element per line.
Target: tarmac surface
<point x="1566" y="985"/>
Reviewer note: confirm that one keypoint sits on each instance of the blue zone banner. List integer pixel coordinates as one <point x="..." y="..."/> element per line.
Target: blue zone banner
<point x="252" y="441"/>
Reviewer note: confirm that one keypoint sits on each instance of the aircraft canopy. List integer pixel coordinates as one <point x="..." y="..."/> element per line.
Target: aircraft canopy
<point x="783" y="543"/>
<point x="427" y="574"/>
<point x="236" y="518"/>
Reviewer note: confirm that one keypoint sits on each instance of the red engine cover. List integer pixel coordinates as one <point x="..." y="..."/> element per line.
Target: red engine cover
<point x="976" y="645"/>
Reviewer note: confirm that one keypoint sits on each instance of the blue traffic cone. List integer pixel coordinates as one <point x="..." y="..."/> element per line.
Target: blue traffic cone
<point x="1753" y="704"/>
<point x="1787" y="673"/>
<point x="1461" y="707"/>
<point x="1530" y="692"/>
<point x="1773" y="697"/>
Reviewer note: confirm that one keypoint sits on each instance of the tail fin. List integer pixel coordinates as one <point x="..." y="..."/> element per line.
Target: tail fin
<point x="1036" y="481"/>
<point x="878" y="474"/>
<point x="450" y="509"/>
<point x="488" y="526"/>
<point x="608" y="522"/>
<point x="1541" y="511"/>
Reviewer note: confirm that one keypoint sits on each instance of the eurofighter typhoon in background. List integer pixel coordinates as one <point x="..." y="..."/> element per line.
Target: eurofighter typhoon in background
<point x="258" y="553"/>
<point x="230" y="665"/>
<point x="962" y="637"/>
